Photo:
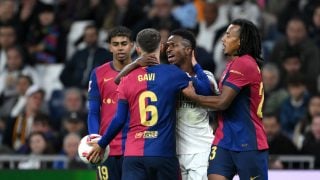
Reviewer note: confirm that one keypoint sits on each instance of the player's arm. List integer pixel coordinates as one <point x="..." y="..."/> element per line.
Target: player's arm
<point x="201" y="82"/>
<point x="115" y="127"/>
<point x="94" y="103"/>
<point x="117" y="123"/>
<point x="146" y="60"/>
<point x="220" y="102"/>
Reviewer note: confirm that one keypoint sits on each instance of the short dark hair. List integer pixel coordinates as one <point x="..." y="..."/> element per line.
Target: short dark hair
<point x="148" y="40"/>
<point x="185" y="34"/>
<point x="271" y="115"/>
<point x="296" y="80"/>
<point x="28" y="78"/>
<point x="250" y="40"/>
<point x="42" y="118"/>
<point x="120" y="31"/>
<point x="291" y="53"/>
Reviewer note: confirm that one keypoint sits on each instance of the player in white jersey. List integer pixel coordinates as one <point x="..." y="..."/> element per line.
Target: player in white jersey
<point x="194" y="134"/>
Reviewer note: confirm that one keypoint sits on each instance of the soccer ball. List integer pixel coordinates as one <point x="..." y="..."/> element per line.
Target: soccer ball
<point x="84" y="148"/>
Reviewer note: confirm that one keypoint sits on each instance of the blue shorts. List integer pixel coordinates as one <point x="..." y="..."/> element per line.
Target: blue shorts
<point x="111" y="169"/>
<point x="247" y="164"/>
<point x="144" y="168"/>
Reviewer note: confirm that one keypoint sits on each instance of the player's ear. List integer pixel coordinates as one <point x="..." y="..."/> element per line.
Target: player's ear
<point x="189" y="50"/>
<point x="138" y="49"/>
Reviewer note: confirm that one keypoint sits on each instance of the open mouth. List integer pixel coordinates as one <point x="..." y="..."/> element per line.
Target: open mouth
<point x="170" y="58"/>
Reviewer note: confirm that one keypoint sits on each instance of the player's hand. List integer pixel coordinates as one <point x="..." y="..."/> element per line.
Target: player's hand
<point x="193" y="59"/>
<point x="147" y="60"/>
<point x="189" y="91"/>
<point x="94" y="155"/>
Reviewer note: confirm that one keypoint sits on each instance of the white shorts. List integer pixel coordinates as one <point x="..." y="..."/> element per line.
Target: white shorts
<point x="194" y="166"/>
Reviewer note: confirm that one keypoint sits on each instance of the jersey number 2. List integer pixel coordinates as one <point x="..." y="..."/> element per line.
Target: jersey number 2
<point x="144" y="109"/>
<point x="261" y="93"/>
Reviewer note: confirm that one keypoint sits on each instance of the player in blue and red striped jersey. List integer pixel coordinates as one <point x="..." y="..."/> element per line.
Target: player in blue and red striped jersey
<point x="103" y="98"/>
<point x="240" y="144"/>
<point x="149" y="93"/>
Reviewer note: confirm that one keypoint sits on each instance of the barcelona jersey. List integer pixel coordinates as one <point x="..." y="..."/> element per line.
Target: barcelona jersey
<point x="103" y="92"/>
<point x="151" y="96"/>
<point x="240" y="126"/>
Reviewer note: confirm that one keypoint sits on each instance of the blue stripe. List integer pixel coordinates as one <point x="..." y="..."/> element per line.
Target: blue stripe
<point x="238" y="129"/>
<point x="236" y="88"/>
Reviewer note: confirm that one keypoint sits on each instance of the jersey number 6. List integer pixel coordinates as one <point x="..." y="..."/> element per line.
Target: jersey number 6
<point x="145" y="109"/>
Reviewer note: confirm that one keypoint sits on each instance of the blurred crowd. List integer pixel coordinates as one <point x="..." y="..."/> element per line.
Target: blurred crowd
<point x="49" y="47"/>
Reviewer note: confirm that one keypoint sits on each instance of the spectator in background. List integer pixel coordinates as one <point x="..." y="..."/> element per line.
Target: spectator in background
<point x="37" y="145"/>
<point x="45" y="40"/>
<point x="311" y="144"/>
<point x="186" y="13"/>
<point x="7" y="11"/>
<point x="243" y="9"/>
<point x="209" y="33"/>
<point x="70" y="149"/>
<point x="27" y="15"/>
<point x="294" y="108"/>
<point x="159" y="14"/>
<point x="314" y="29"/>
<point x="291" y="64"/>
<point x="211" y="28"/>
<point x="122" y="13"/>
<point x="72" y="102"/>
<point x="13" y="106"/>
<point x="77" y="70"/>
<point x="287" y="10"/>
<point x="86" y="10"/>
<point x="73" y="123"/>
<point x="279" y="144"/>
<point x="8" y="15"/>
<point x="7" y="40"/>
<point x="19" y="128"/>
<point x="297" y="39"/>
<point x="15" y="66"/>
<point x="273" y="93"/>
<point x="304" y="126"/>
<point x="41" y="124"/>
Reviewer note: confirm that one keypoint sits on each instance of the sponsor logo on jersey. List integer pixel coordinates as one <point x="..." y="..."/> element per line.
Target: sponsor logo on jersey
<point x="147" y="135"/>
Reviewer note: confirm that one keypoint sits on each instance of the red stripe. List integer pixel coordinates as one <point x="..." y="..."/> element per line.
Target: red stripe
<point x="135" y="140"/>
<point x="219" y="133"/>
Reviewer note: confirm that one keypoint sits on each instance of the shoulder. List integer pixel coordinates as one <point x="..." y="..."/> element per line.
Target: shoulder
<point x="245" y="62"/>
<point x="164" y="68"/>
<point x="103" y="67"/>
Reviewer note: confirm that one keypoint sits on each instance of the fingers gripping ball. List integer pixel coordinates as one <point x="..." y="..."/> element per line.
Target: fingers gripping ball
<point x="84" y="148"/>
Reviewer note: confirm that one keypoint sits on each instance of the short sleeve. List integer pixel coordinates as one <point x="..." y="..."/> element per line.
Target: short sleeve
<point x="237" y="76"/>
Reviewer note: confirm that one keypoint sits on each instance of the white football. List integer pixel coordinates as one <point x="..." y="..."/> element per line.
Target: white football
<point x="84" y="148"/>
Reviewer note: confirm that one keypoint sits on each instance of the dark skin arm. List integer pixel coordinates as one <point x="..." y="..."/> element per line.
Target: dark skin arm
<point x="221" y="102"/>
<point x="147" y="60"/>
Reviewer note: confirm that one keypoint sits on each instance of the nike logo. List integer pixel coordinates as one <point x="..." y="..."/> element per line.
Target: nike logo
<point x="107" y="79"/>
<point x="253" y="178"/>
